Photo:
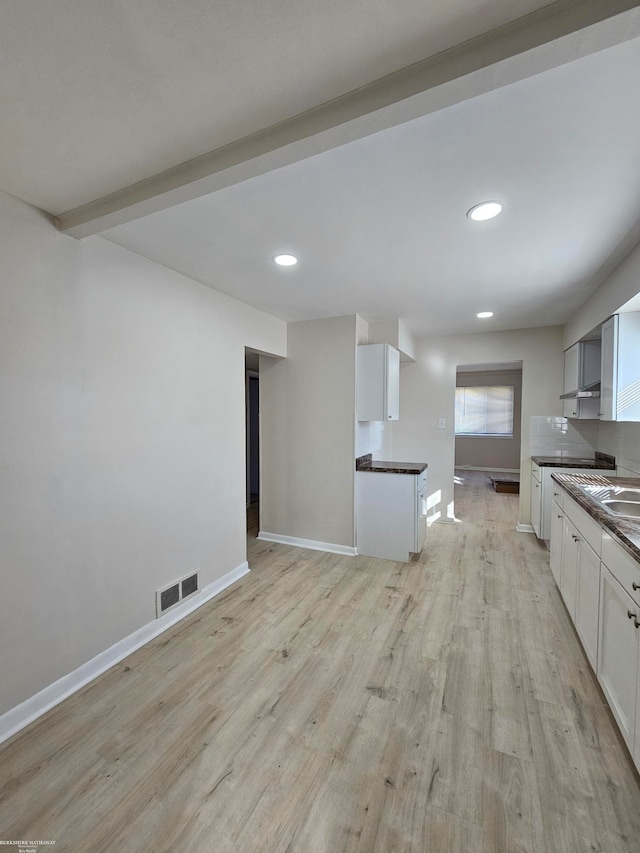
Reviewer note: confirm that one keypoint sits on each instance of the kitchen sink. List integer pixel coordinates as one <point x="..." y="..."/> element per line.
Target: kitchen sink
<point x="627" y="495"/>
<point x="630" y="508"/>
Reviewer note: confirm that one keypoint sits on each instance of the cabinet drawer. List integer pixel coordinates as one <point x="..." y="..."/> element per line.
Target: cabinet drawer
<point x="557" y="493"/>
<point x="587" y="527"/>
<point x="622" y="565"/>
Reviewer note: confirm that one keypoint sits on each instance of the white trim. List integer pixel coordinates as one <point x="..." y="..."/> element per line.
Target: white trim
<point x="492" y="470"/>
<point x="26" y="712"/>
<point x="444" y="519"/>
<point x="311" y="544"/>
<point x="524" y="528"/>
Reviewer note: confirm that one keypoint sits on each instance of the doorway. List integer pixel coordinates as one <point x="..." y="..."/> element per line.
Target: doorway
<point x="488" y="423"/>
<point x="252" y="416"/>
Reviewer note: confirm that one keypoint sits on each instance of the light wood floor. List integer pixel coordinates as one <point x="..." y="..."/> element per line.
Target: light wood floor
<point x="333" y="704"/>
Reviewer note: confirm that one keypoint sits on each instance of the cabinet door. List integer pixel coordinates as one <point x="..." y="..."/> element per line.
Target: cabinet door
<point x="618" y="653"/>
<point x="608" y="370"/>
<point x="569" y="569"/>
<point x="421" y="520"/>
<point x="627" y="396"/>
<point x="555" y="556"/>
<point x="536" y="506"/>
<point x="571" y="379"/>
<point x="636" y="749"/>
<point x="386" y="515"/>
<point x="587" y="598"/>
<point x="392" y="385"/>
<point x="378" y="383"/>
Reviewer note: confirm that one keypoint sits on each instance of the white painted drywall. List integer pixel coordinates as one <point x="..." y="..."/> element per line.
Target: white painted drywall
<point x="122" y="458"/>
<point x="621" y="286"/>
<point x="621" y="440"/>
<point x="307" y="421"/>
<point x="396" y="333"/>
<point x="427" y="392"/>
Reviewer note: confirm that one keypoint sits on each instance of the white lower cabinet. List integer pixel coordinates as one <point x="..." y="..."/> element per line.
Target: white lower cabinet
<point x="619" y="653"/>
<point x="600" y="584"/>
<point x="536" y="505"/>
<point x="587" y="598"/>
<point x="557" y="526"/>
<point x="568" y="574"/>
<point x="544" y="493"/>
<point x="580" y="545"/>
<point x="391" y="514"/>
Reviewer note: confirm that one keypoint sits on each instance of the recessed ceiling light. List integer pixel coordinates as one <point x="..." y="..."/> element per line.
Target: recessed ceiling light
<point x="484" y="315"/>
<point x="484" y="210"/>
<point x="285" y="260"/>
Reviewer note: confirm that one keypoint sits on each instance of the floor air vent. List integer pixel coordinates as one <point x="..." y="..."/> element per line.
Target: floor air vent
<point x="170" y="596"/>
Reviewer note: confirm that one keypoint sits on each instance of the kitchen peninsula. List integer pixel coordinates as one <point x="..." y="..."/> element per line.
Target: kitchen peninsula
<point x="392" y="508"/>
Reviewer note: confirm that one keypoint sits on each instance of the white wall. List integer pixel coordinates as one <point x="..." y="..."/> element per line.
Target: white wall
<point x="621" y="440"/>
<point x="427" y="392"/>
<point x="307" y="415"/>
<point x="621" y="286"/>
<point x="393" y="332"/>
<point x="122" y="458"/>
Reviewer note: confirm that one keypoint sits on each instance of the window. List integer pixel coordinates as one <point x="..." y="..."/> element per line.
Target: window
<point x="485" y="410"/>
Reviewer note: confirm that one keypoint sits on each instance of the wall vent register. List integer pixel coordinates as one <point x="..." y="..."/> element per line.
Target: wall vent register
<point x="171" y="595"/>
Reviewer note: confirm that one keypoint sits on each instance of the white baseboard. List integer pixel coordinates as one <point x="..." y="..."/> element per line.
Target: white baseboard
<point x="524" y="528"/>
<point x="311" y="544"/>
<point x="26" y="712"/>
<point x="492" y="470"/>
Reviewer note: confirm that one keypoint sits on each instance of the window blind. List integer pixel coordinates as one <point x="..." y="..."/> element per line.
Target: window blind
<point x="484" y="410"/>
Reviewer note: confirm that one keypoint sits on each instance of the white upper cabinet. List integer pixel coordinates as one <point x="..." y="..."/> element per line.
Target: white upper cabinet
<point x="620" y="368"/>
<point x="571" y="378"/>
<point x="581" y="371"/>
<point x="378" y="383"/>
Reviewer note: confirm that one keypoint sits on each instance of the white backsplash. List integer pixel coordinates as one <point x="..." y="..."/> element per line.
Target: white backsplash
<point x="621" y="440"/>
<point x="373" y="437"/>
<point x="557" y="436"/>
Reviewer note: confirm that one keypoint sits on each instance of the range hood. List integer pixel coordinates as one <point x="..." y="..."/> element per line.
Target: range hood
<point x="592" y="390"/>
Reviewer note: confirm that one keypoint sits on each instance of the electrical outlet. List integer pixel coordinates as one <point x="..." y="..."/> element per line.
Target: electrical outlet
<point x="442" y="423"/>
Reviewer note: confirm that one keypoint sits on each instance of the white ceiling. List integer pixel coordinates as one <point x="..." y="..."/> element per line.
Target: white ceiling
<point x="98" y="94"/>
<point x="379" y="225"/>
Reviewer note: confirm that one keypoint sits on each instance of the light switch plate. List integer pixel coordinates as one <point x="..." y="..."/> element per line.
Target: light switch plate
<point x="442" y="423"/>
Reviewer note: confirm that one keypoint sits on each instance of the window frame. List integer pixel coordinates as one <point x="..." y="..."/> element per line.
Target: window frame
<point x="496" y="435"/>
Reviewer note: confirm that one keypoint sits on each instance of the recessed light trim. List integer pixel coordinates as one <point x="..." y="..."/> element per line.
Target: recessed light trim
<point x="485" y="210"/>
<point x="484" y="315"/>
<point x="285" y="260"/>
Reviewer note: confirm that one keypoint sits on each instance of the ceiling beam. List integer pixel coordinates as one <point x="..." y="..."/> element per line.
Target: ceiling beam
<point x="559" y="33"/>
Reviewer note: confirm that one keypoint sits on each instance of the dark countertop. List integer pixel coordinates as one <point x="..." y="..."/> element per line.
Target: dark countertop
<point x="625" y="530"/>
<point x="366" y="463"/>
<point x="601" y="461"/>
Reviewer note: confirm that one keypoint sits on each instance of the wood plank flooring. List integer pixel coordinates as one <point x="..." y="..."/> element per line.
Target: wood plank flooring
<point x="328" y="704"/>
